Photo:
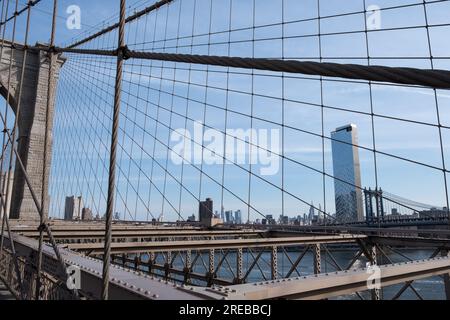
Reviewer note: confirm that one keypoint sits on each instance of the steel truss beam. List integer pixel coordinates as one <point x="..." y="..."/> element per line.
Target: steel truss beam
<point x="83" y="235"/>
<point x="329" y="285"/>
<point x="125" y="284"/>
<point x="167" y="246"/>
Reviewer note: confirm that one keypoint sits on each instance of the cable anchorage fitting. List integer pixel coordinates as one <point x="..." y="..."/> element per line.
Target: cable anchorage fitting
<point x="124" y="52"/>
<point x="52" y="49"/>
<point x="42" y="227"/>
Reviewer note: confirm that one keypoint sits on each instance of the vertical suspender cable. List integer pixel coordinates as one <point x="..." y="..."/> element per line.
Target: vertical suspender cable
<point x="4" y="144"/>
<point x="4" y="204"/>
<point x="113" y="152"/>
<point x="2" y="45"/>
<point x="45" y="172"/>
<point x="14" y="150"/>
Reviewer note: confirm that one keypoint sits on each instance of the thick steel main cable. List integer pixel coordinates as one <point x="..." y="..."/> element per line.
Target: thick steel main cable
<point x="113" y="152"/>
<point x="432" y="78"/>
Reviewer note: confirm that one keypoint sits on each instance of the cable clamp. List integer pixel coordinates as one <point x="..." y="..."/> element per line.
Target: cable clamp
<point x="52" y="49"/>
<point x="124" y="52"/>
<point x="43" y="227"/>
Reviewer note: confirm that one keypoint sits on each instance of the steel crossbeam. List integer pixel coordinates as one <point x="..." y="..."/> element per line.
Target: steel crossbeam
<point x="169" y="246"/>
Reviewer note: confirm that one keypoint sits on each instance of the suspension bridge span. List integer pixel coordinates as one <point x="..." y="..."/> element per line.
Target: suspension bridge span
<point x="113" y="140"/>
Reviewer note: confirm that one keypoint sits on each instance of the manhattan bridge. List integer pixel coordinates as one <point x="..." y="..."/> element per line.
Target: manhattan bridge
<point x="126" y="149"/>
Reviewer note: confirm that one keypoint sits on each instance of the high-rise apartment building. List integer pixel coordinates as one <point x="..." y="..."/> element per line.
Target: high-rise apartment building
<point x="73" y="208"/>
<point x="347" y="173"/>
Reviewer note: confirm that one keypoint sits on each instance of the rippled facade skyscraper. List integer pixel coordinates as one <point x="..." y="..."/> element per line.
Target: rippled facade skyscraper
<point x="347" y="173"/>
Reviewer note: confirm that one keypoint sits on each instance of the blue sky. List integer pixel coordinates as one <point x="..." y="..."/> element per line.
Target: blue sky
<point x="75" y="121"/>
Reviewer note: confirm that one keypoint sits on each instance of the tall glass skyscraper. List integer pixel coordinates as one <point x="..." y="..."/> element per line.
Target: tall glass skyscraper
<point x="347" y="173"/>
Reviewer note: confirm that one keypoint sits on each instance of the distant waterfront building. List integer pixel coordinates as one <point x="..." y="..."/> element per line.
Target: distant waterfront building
<point x="284" y="220"/>
<point x="73" y="208"/>
<point x="238" y="217"/>
<point x="86" y="214"/>
<point x="347" y="173"/>
<point x="205" y="211"/>
<point x="191" y="218"/>
<point x="229" y="216"/>
<point x="434" y="213"/>
<point x="320" y="214"/>
<point x="270" y="219"/>
<point x="312" y="213"/>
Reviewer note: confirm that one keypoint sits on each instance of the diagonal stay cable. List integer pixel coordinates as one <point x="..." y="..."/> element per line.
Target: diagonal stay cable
<point x="135" y="16"/>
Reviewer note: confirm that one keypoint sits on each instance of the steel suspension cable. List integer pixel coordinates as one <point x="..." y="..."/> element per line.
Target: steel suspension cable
<point x="252" y="145"/>
<point x="113" y="152"/>
<point x="436" y="78"/>
<point x="45" y="170"/>
<point x="17" y="13"/>
<point x="135" y="16"/>
<point x="38" y="207"/>
<point x="4" y="203"/>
